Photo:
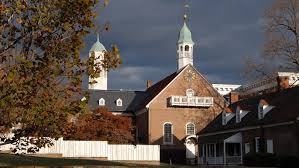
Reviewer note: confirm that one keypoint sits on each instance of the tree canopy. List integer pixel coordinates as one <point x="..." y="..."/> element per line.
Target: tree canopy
<point x="102" y="125"/>
<point x="40" y="65"/>
<point x="281" y="47"/>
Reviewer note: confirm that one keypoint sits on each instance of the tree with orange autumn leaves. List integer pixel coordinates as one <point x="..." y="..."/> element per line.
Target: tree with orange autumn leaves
<point x="102" y="125"/>
<point x="41" y="68"/>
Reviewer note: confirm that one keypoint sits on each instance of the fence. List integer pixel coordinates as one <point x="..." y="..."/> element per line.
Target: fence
<point x="101" y="149"/>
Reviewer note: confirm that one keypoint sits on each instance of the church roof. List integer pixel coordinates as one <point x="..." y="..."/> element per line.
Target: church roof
<point x="134" y="100"/>
<point x="130" y="99"/>
<point x="185" y="35"/>
<point x="97" y="46"/>
<point x="154" y="90"/>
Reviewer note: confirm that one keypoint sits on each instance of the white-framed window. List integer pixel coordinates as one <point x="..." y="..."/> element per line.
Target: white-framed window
<point x="257" y="144"/>
<point x="269" y="146"/>
<point x="167" y="133"/>
<point x="119" y="102"/>
<point x="102" y="102"/>
<point x="247" y="148"/>
<point x="189" y="93"/>
<point x="190" y="128"/>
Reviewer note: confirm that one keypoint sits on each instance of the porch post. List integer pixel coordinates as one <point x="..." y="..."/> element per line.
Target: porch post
<point x="207" y="149"/>
<point x="224" y="153"/>
<point x="241" y="148"/>
<point x="215" y="153"/>
<point x="203" y="153"/>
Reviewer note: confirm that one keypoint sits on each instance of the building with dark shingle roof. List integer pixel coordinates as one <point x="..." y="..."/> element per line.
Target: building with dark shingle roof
<point x="170" y="112"/>
<point x="266" y="123"/>
<point x="130" y="100"/>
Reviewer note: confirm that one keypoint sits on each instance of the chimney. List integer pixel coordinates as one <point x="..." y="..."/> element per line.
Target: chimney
<point x="149" y="83"/>
<point x="282" y="82"/>
<point x="234" y="97"/>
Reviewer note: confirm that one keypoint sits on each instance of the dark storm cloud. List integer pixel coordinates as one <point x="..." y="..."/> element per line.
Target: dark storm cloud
<point x="146" y="31"/>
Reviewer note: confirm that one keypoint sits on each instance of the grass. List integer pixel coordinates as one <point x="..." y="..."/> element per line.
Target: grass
<point x="25" y="160"/>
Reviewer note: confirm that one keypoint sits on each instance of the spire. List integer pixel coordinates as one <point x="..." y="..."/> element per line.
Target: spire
<point x="97" y="46"/>
<point x="98" y="37"/>
<point x="185" y="44"/>
<point x="185" y="35"/>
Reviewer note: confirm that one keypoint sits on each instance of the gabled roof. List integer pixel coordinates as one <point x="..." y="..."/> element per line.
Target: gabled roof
<point x="130" y="99"/>
<point x="154" y="90"/>
<point x="285" y="109"/>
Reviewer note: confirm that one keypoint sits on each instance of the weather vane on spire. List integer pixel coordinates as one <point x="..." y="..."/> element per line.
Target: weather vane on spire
<point x="97" y="32"/>
<point x="186" y="10"/>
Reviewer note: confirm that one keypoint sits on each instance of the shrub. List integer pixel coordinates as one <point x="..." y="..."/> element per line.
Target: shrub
<point x="270" y="160"/>
<point x="261" y="159"/>
<point x="288" y="161"/>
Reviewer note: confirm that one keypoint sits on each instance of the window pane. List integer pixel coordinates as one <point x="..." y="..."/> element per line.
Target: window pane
<point x="190" y="129"/>
<point x="167" y="133"/>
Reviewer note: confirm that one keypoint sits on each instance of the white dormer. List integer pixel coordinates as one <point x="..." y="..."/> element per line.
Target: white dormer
<point x="263" y="109"/>
<point x="83" y="98"/>
<point x="102" y="102"/>
<point x="226" y="117"/>
<point x="240" y="114"/>
<point x="223" y="118"/>
<point x="119" y="102"/>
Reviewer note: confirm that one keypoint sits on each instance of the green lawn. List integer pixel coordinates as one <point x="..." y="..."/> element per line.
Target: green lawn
<point x="22" y="160"/>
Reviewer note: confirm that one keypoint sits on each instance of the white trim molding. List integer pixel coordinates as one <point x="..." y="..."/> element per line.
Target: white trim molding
<point x="194" y="129"/>
<point x="171" y="133"/>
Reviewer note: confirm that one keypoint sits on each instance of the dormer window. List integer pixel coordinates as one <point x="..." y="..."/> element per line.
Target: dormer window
<point x="102" y="102"/>
<point x="238" y="115"/>
<point x="226" y="116"/>
<point x="83" y="98"/>
<point x="260" y="111"/>
<point x="119" y="102"/>
<point x="223" y="118"/>
<point x="263" y="109"/>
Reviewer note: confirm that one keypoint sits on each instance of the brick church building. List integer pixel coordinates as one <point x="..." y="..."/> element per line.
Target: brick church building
<point x="169" y="113"/>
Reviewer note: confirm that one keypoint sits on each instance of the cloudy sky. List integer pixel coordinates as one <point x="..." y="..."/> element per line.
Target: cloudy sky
<point x="225" y="32"/>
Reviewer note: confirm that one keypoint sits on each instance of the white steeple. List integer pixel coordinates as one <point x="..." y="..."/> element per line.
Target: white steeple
<point x="185" y="46"/>
<point x="101" y="81"/>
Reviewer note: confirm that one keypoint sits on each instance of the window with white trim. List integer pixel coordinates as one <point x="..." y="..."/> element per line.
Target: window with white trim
<point x="190" y="129"/>
<point x="257" y="144"/>
<point x="269" y="146"/>
<point x="167" y="137"/>
<point x="189" y="93"/>
<point x="102" y="102"/>
<point x="247" y="148"/>
<point x="119" y="102"/>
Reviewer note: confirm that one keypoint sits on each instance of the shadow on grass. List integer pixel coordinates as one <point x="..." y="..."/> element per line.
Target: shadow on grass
<point x="24" y="160"/>
<point x="11" y="160"/>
